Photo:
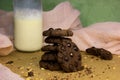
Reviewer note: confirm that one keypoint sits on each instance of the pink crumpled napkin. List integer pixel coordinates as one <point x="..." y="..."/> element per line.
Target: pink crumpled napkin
<point x="6" y="28"/>
<point x="7" y="74"/>
<point x="62" y="16"/>
<point x="102" y="35"/>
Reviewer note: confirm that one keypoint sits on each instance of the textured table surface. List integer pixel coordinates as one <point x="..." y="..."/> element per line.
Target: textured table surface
<point x="95" y="68"/>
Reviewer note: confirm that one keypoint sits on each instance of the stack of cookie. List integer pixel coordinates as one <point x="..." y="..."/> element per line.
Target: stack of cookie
<point x="60" y="52"/>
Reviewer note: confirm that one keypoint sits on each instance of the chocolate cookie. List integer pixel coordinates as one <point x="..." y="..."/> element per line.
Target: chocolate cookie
<point x="49" y="48"/>
<point x="100" y="52"/>
<point x="57" y="32"/>
<point x="57" y="39"/>
<point x="104" y="54"/>
<point x="93" y="51"/>
<point x="69" y="57"/>
<point x="49" y="56"/>
<point x="51" y="65"/>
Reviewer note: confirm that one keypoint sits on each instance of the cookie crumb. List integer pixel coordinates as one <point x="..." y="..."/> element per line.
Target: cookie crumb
<point x="79" y="75"/>
<point x="103" y="72"/>
<point x="31" y="64"/>
<point x="42" y="68"/>
<point x="93" y="75"/>
<point x="92" y="57"/>
<point x="28" y="78"/>
<point x="88" y="71"/>
<point x="29" y="69"/>
<point x="21" y="67"/>
<point x="114" y="68"/>
<point x="22" y="72"/>
<point x="48" y="74"/>
<point x="85" y="57"/>
<point x="9" y="62"/>
<point x="30" y="74"/>
<point x="85" y="65"/>
<point x="36" y="78"/>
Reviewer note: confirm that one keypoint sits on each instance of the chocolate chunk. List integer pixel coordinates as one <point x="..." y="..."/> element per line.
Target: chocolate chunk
<point x="9" y="62"/>
<point x="30" y="74"/>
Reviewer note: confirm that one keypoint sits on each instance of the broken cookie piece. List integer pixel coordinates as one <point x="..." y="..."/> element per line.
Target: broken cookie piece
<point x="100" y="52"/>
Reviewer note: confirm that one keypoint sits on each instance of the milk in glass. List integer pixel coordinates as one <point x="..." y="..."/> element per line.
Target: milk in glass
<point x="28" y="25"/>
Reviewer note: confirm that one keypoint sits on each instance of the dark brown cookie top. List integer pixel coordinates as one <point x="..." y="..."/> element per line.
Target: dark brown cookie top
<point x="51" y="65"/>
<point x="69" y="57"/>
<point x="100" y="52"/>
<point x="49" y="56"/>
<point x="57" y="32"/>
<point x="57" y="40"/>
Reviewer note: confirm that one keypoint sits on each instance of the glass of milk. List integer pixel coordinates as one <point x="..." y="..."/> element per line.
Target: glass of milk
<point x="28" y="25"/>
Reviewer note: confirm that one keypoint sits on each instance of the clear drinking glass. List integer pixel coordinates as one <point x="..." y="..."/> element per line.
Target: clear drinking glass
<point x="28" y="25"/>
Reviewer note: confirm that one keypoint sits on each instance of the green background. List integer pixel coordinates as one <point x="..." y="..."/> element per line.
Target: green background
<point x="92" y="11"/>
